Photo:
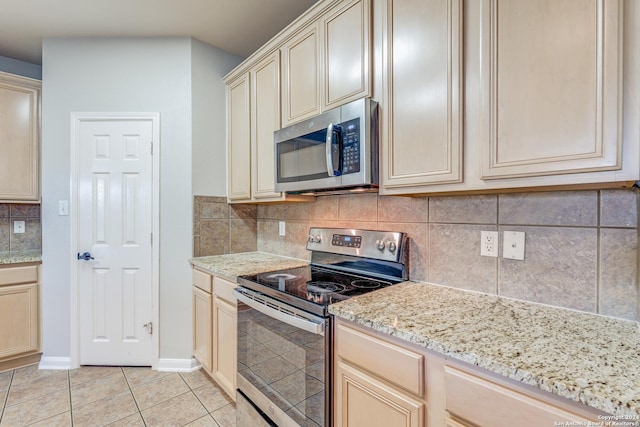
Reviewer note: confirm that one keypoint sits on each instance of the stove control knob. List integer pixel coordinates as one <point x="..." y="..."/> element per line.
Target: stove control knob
<point x="317" y="238"/>
<point x="392" y="246"/>
<point x="310" y="238"/>
<point x="380" y="245"/>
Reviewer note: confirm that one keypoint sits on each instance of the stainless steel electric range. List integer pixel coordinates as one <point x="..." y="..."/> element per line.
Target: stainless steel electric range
<point x="284" y="329"/>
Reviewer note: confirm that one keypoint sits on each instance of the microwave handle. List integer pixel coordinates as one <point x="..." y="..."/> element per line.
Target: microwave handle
<point x="328" y="149"/>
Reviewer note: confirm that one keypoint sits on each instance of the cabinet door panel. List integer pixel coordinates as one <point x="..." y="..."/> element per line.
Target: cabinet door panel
<point x="224" y="370"/>
<point x="238" y="139"/>
<point x="202" y="328"/>
<point x="551" y="87"/>
<point x="18" y="319"/>
<point x="422" y="137"/>
<point x="346" y="48"/>
<point x="300" y="76"/>
<point x="265" y="120"/>
<point x="19" y="139"/>
<point x="365" y="401"/>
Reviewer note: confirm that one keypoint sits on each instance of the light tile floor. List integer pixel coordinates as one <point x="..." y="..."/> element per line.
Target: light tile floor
<point x="112" y="396"/>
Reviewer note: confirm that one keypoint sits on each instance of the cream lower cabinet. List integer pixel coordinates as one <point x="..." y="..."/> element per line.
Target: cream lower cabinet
<point x="225" y="314"/>
<point x="19" y="138"/>
<point x="382" y="381"/>
<point x="19" y="315"/>
<point x="214" y="328"/>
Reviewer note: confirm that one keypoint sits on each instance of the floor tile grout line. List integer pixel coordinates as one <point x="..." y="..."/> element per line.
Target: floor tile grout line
<point x="144" y="422"/>
<point x="70" y="401"/>
<point x="6" y="397"/>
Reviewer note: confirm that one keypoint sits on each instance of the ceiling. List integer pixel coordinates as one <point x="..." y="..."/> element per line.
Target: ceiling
<point x="236" y="26"/>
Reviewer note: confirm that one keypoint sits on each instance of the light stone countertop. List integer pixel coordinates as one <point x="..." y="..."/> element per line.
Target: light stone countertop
<point x="583" y="357"/>
<point x="231" y="266"/>
<point x="19" y="257"/>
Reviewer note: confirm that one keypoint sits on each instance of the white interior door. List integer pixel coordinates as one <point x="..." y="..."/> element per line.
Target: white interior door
<point x="115" y="224"/>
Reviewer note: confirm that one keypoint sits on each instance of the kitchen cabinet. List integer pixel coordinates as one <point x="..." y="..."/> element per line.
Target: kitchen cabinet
<point x="203" y="320"/>
<point x="327" y="63"/>
<point x="214" y="328"/>
<point x="381" y="380"/>
<point x="551" y="87"/>
<point x="239" y="138"/>
<point x="301" y="62"/>
<point x="225" y="314"/>
<point x="19" y="139"/>
<point x="548" y="100"/>
<point x="421" y="97"/>
<point x="19" y="316"/>
<point x="346" y="31"/>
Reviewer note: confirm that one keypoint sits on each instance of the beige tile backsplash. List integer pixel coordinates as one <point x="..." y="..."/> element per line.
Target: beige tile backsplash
<point x="581" y="247"/>
<point x="31" y="239"/>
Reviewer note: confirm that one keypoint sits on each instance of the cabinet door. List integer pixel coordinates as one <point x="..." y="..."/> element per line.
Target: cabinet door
<point x="551" y="87"/>
<point x="421" y="92"/>
<point x="238" y="139"/>
<point x="202" y="328"/>
<point x="265" y="104"/>
<point x="365" y="401"/>
<point x="19" y="138"/>
<point x="18" y="319"/>
<point x="301" y="76"/>
<point x="346" y="39"/>
<point x="224" y="337"/>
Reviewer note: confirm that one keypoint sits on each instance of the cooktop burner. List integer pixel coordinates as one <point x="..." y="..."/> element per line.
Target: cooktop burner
<point x="324" y="287"/>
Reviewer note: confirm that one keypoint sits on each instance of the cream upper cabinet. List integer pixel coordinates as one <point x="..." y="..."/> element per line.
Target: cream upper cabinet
<point x="265" y="108"/>
<point x="301" y="62"/>
<point x="346" y="40"/>
<point x="19" y="138"/>
<point x="421" y="97"/>
<point x="239" y="139"/>
<point x="551" y="87"/>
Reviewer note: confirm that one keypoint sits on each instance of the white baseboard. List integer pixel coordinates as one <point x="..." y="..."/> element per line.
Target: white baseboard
<point x="178" y="365"/>
<point x="55" y="363"/>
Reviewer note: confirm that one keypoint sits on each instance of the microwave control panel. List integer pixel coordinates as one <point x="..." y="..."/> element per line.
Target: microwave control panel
<point x="351" y="146"/>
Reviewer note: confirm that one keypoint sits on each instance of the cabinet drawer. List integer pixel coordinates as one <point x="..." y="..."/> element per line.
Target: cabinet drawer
<point x="202" y="280"/>
<point x="224" y="289"/>
<point x="16" y="275"/>
<point x="485" y="403"/>
<point x="393" y="363"/>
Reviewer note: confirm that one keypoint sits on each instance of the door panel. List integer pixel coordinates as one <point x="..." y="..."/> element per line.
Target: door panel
<point x="115" y="225"/>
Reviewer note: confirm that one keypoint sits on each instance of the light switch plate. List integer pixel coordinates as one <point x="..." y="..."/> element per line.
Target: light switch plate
<point x="18" y="227"/>
<point x="63" y="207"/>
<point x="281" y="228"/>
<point x="513" y="247"/>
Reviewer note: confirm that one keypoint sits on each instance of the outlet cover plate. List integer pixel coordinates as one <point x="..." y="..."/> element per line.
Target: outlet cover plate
<point x="18" y="227"/>
<point x="513" y="245"/>
<point x="489" y="243"/>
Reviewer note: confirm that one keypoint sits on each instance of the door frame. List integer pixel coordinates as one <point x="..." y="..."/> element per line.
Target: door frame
<point x="76" y="119"/>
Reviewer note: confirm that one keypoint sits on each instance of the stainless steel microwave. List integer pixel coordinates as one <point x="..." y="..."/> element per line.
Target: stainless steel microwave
<point x="334" y="151"/>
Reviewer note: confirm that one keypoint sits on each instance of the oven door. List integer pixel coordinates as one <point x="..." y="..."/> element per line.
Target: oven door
<point x="283" y="361"/>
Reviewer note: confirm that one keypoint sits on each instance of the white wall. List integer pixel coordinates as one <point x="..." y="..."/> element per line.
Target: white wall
<point x="210" y="65"/>
<point x="120" y="74"/>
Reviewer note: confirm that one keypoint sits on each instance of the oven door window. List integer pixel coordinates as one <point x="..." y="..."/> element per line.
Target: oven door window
<point x="285" y="363"/>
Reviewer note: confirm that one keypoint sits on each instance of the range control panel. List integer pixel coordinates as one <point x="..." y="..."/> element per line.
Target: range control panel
<point x="383" y="245"/>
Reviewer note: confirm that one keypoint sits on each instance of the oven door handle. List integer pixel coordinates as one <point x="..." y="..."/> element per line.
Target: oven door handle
<point x="309" y="325"/>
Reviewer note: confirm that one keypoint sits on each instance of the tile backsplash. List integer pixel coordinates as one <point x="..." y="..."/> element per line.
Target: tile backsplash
<point x="581" y="248"/>
<point x="31" y="239"/>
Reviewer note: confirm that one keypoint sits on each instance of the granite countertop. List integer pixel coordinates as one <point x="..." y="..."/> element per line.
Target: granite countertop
<point x="18" y="257"/>
<point x="233" y="265"/>
<point x="583" y="357"/>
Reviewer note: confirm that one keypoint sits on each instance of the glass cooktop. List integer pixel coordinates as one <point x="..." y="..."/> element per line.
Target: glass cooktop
<point x="308" y="286"/>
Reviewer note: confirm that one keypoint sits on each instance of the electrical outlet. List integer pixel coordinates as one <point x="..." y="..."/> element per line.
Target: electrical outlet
<point x="281" y="229"/>
<point x="513" y="245"/>
<point x="489" y="243"/>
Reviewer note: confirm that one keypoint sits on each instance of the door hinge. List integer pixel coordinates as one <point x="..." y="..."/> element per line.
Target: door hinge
<point x="148" y="327"/>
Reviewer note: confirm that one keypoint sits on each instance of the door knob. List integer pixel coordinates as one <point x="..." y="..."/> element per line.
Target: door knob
<point x="85" y="256"/>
